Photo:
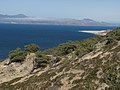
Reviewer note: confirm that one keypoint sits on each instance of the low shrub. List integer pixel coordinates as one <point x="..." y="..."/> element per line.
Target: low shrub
<point x="16" y="55"/>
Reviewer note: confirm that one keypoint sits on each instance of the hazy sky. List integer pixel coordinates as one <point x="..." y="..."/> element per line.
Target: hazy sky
<point x="101" y="10"/>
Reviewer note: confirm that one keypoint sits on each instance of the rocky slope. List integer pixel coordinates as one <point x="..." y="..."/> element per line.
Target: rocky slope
<point x="15" y="70"/>
<point x="92" y="64"/>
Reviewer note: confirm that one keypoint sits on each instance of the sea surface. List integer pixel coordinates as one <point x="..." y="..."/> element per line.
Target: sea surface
<point x="14" y="36"/>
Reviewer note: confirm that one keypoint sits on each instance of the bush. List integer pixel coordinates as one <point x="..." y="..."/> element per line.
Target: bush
<point x="17" y="55"/>
<point x="115" y="34"/>
<point x="80" y="47"/>
<point x="111" y="77"/>
<point x="41" y="59"/>
<point x="31" y="48"/>
<point x="66" y="49"/>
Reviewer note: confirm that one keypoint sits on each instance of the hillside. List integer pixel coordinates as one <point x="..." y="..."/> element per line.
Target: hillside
<point x="91" y="64"/>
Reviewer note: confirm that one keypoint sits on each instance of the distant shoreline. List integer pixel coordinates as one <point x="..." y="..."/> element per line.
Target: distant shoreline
<point x="96" y="32"/>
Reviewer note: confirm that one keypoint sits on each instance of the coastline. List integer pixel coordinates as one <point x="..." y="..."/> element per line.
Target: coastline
<point x="96" y="32"/>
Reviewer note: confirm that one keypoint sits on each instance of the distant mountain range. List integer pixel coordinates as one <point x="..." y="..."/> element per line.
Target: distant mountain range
<point x="23" y="19"/>
<point x="13" y="16"/>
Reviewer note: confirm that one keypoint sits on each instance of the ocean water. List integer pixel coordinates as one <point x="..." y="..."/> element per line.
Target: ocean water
<point x="46" y="36"/>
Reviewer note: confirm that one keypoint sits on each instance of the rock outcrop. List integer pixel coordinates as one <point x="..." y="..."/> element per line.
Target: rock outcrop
<point x="10" y="71"/>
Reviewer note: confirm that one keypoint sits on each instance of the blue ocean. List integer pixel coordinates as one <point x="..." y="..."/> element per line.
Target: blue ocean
<point x="14" y="36"/>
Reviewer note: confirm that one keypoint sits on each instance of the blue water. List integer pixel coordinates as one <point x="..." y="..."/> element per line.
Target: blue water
<point x="46" y="36"/>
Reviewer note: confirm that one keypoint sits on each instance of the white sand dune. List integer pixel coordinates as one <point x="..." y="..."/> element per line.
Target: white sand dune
<point x="101" y="32"/>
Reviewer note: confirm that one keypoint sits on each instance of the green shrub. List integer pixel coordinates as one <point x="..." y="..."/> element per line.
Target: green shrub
<point x="115" y="34"/>
<point x="31" y="48"/>
<point x="16" y="55"/>
<point x="41" y="59"/>
<point x="66" y="49"/>
<point x="81" y="47"/>
<point x="111" y="77"/>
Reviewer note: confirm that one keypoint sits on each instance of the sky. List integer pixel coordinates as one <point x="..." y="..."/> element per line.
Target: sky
<point x="100" y="10"/>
